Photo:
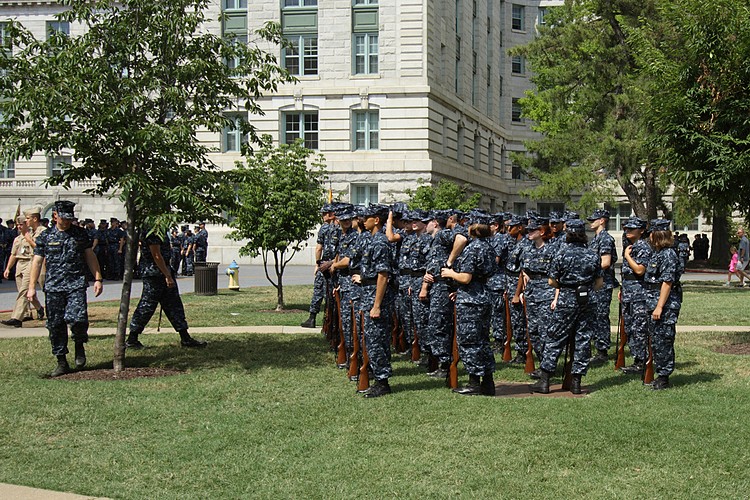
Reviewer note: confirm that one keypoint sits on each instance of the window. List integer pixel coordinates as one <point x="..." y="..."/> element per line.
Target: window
<point x="516" y="173"/>
<point x="365" y="2"/>
<point x="8" y="171"/>
<point x="545" y="209"/>
<point x="365" y="53"/>
<point x="58" y="165"/>
<point x="519" y="208"/>
<point x="234" y="4"/>
<point x="518" y="21"/>
<point x="366" y="130"/>
<point x="364" y="194"/>
<point x="234" y="62"/>
<point x="58" y="27"/>
<point x="5" y="44"/>
<point x="477" y="150"/>
<point x="301" y="57"/>
<point x="232" y="137"/>
<point x="491" y="161"/>
<point x="518" y="65"/>
<point x="542" y="14"/>
<point x="460" y="144"/>
<point x="300" y="3"/>
<point x="301" y="126"/>
<point x="618" y="214"/>
<point x="515" y="115"/>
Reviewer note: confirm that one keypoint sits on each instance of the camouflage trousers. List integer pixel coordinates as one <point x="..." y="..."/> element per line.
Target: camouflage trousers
<point x="517" y="318"/>
<point x="564" y="323"/>
<point x="497" y="315"/>
<point x="347" y="313"/>
<point x="602" y="300"/>
<point x="63" y="309"/>
<point x="188" y="267"/>
<point x="439" y="331"/>
<point x="174" y="260"/>
<point x="538" y="314"/>
<point x="200" y="255"/>
<point x="421" y="315"/>
<point x="377" y="334"/>
<point x="403" y="309"/>
<point x="320" y="290"/>
<point x="156" y="292"/>
<point x="635" y="318"/>
<point x="473" y="336"/>
<point x="662" y="341"/>
<point x="114" y="263"/>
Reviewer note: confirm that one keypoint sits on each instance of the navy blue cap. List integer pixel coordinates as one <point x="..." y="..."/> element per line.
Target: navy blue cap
<point x="327" y="207"/>
<point x="377" y="210"/>
<point x="555" y="217"/>
<point x="399" y="209"/>
<point x="575" y="226"/>
<point x="478" y="217"/>
<point x="599" y="213"/>
<point x="635" y="223"/>
<point x="660" y="225"/>
<point x="441" y="215"/>
<point x="343" y="208"/>
<point x="532" y="214"/>
<point x="359" y="210"/>
<point x="570" y="215"/>
<point x="64" y="209"/>
<point x="536" y="223"/>
<point x="517" y="220"/>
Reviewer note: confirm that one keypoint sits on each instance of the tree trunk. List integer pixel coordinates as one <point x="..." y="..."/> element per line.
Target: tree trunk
<point x="278" y="263"/>
<point x="720" y="238"/>
<point x="131" y="246"/>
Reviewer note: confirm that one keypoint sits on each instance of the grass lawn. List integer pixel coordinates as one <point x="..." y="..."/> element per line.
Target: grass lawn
<point x="269" y="416"/>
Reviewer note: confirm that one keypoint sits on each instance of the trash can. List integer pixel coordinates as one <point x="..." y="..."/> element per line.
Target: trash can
<point x="206" y="278"/>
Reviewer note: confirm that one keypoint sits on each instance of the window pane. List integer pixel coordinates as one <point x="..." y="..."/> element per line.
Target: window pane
<point x="311" y="55"/>
<point x="292" y="128"/>
<point x="291" y="57"/>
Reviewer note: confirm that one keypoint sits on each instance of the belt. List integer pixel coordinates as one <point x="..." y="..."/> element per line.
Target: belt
<point x="515" y="274"/>
<point x="574" y="285"/>
<point x="534" y="276"/>
<point x="652" y="286"/>
<point x="368" y="281"/>
<point x="416" y="273"/>
<point x="345" y="272"/>
<point x="632" y="277"/>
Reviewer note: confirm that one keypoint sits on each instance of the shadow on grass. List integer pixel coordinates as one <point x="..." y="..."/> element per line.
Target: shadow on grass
<point x="682" y="379"/>
<point x="249" y="352"/>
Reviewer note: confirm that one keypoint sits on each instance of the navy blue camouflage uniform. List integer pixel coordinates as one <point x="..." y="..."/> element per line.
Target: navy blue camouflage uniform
<point x="113" y="235"/>
<point x="155" y="289"/>
<point x="420" y="308"/>
<point x="347" y="289"/>
<point x="438" y="335"/>
<point x="512" y="272"/>
<point x="663" y="266"/>
<point x="634" y="310"/>
<point x="496" y="285"/>
<point x="572" y="267"/>
<point x="538" y="293"/>
<point x="328" y="237"/>
<point x="201" y="245"/>
<point x="473" y="307"/>
<point x="65" y="285"/>
<point x="604" y="244"/>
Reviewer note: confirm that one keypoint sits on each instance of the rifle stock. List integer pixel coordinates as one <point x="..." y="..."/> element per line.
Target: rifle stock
<point x="328" y="326"/>
<point x="453" y="368"/>
<point x="415" y="352"/>
<point x="529" y="367"/>
<point x="341" y="354"/>
<point x="648" y="372"/>
<point x="568" y="366"/>
<point x="507" y="354"/>
<point x="363" y="383"/>
<point x="354" y="357"/>
<point x="622" y="339"/>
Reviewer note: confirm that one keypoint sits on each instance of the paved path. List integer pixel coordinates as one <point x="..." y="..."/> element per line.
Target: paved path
<point x="13" y="492"/>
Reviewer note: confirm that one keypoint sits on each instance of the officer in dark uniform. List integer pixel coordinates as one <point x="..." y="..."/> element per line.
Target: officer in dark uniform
<point x="343" y="272"/>
<point x="325" y="251"/>
<point x="201" y="243"/>
<point x="66" y="249"/>
<point x="188" y="250"/>
<point x="633" y="294"/>
<point x="402" y="239"/>
<point x="496" y="283"/>
<point x="115" y="242"/>
<point x="377" y="298"/>
<point x="604" y="245"/>
<point x="574" y="271"/>
<point x="175" y="243"/>
<point x="159" y="288"/>
<point x="516" y="244"/>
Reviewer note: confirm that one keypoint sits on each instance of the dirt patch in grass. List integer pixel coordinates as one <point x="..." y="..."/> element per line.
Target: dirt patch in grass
<point x="742" y="348"/>
<point x="283" y="311"/>
<point x="127" y="374"/>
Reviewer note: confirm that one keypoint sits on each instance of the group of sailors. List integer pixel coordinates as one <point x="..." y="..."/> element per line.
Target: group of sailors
<point x="445" y="284"/>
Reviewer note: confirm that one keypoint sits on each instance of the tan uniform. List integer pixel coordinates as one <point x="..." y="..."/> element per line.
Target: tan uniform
<point x="23" y="252"/>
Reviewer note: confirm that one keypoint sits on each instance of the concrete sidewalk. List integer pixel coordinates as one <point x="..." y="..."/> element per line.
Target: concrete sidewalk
<point x="14" y="492"/>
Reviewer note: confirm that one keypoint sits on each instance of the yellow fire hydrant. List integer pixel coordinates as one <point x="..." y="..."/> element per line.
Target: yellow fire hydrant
<point x="233" y="271"/>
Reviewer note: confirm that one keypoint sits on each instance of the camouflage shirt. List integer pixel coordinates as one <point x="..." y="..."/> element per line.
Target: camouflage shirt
<point x="663" y="266"/>
<point x="477" y="259"/>
<point x="573" y="266"/>
<point x="64" y="255"/>
<point x="632" y="285"/>
<point x="604" y="244"/>
<point x="147" y="265"/>
<point x="535" y="262"/>
<point x="440" y="250"/>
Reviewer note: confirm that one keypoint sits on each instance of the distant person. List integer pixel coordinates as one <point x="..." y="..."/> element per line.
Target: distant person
<point x="201" y="242"/>
<point x="732" y="265"/>
<point x="21" y="254"/>
<point x="706" y="246"/>
<point x="698" y="248"/>
<point x="743" y="251"/>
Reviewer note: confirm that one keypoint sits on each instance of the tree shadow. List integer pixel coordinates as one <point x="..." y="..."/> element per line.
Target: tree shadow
<point x="683" y="379"/>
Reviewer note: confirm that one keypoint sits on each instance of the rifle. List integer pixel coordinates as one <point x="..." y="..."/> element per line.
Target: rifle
<point x="453" y="368"/>
<point x="648" y="372"/>
<point x="329" y="323"/>
<point x="568" y="366"/>
<point x="415" y="353"/>
<point x="622" y="339"/>
<point x="158" y="325"/>
<point x="507" y="354"/>
<point x="529" y="350"/>
<point x="363" y="382"/>
<point x="354" y="356"/>
<point x="394" y="330"/>
<point x="341" y="354"/>
<point x="402" y="337"/>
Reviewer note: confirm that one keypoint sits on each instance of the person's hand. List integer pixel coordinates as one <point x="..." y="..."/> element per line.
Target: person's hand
<point x="170" y="281"/>
<point x="628" y="250"/>
<point x="619" y="295"/>
<point x="356" y="278"/>
<point x="452" y="296"/>
<point x="447" y="273"/>
<point x="375" y="312"/>
<point x="656" y="315"/>
<point x="516" y="299"/>
<point x="428" y="278"/>
<point x="6" y="273"/>
<point x="98" y="288"/>
<point x="553" y="305"/>
<point x="422" y="294"/>
<point x="31" y="294"/>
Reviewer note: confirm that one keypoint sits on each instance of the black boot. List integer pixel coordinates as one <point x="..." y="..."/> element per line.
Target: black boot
<point x="470" y="389"/>
<point x="541" y="385"/>
<point x="134" y="343"/>
<point x="381" y="388"/>
<point x="536" y="374"/>
<point x="520" y="359"/>
<point x="441" y="372"/>
<point x="310" y="323"/>
<point x="488" y="385"/>
<point x="80" y="356"/>
<point x="601" y="358"/>
<point x="661" y="382"/>
<point x="62" y="366"/>
<point x="187" y="341"/>
<point x="575" y="385"/>
<point x="635" y="369"/>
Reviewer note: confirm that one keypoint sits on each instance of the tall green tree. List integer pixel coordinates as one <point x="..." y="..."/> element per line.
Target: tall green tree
<point x="696" y="58"/>
<point x="128" y="97"/>
<point x="445" y="195"/>
<point x="587" y="106"/>
<point x="279" y="198"/>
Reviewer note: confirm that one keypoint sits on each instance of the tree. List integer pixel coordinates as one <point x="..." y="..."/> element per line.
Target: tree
<point x="696" y="61"/>
<point x="587" y="106"/>
<point x="445" y="195"/>
<point x="279" y="198"/>
<point x="128" y="97"/>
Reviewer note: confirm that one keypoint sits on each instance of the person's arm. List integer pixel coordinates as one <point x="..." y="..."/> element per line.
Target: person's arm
<point x="341" y="263"/>
<point x="607" y="261"/>
<point x="122" y="244"/>
<point x="29" y="237"/>
<point x="666" y="288"/>
<point x="11" y="262"/>
<point x="389" y="233"/>
<point x="459" y="243"/>
<point x="155" y="250"/>
<point x="379" y="294"/>
<point x="36" y="268"/>
<point x="462" y="278"/>
<point x="638" y="269"/>
<point x="93" y="264"/>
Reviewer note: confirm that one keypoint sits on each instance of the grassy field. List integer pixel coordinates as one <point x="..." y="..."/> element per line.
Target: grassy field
<point x="269" y="416"/>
